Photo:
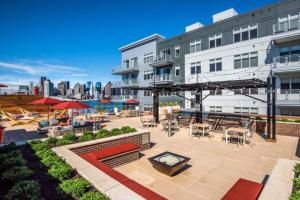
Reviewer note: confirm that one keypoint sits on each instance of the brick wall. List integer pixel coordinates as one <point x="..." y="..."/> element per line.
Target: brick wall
<point x="143" y="140"/>
<point x="282" y="128"/>
<point x="122" y="159"/>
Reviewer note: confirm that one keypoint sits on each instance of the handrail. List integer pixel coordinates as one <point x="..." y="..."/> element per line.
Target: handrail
<point x="286" y="26"/>
<point x="286" y="59"/>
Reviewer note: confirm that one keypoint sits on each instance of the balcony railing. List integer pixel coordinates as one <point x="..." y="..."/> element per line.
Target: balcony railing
<point x="124" y="69"/>
<point x="161" y="60"/>
<point x="286" y="59"/>
<point x="289" y="91"/>
<point x="125" y="82"/>
<point x="124" y="97"/>
<point x="163" y="78"/>
<point x="286" y="26"/>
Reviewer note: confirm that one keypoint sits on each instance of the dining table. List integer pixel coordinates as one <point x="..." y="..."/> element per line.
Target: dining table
<point x="202" y="126"/>
<point x="243" y="131"/>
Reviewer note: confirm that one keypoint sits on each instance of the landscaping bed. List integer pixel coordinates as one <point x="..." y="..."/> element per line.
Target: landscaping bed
<point x="296" y="187"/>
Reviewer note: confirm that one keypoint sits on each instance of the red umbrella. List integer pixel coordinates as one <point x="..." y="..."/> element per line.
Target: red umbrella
<point x="71" y="105"/>
<point x="46" y="101"/>
<point x="132" y="101"/>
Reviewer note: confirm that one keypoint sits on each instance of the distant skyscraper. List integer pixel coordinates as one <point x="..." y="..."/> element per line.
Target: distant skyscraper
<point x="31" y="92"/>
<point x="42" y="80"/>
<point x="63" y="86"/>
<point x="48" y="88"/>
<point x="107" y="89"/>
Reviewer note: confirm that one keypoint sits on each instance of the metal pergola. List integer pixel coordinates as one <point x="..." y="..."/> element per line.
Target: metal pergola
<point x="233" y="85"/>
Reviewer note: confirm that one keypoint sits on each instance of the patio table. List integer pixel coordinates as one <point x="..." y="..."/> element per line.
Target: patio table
<point x="243" y="131"/>
<point x="96" y="117"/>
<point x="200" y="125"/>
<point x="148" y="121"/>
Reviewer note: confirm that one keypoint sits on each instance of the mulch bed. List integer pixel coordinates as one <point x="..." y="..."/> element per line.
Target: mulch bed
<point x="48" y="184"/>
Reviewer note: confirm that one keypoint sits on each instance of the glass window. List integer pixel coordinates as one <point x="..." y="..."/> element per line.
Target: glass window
<point x="284" y="85"/>
<point x="177" y="70"/>
<point x="245" y="110"/>
<point x="215" y="41"/>
<point x="253" y="59"/>
<point x="237" y="62"/>
<point x="253" y="33"/>
<point x="245" y="60"/>
<point x="237" y="37"/>
<point x="195" y="46"/>
<point x="212" y="67"/>
<point x="245" y="35"/>
<point x="177" y="51"/>
<point x="253" y="110"/>
<point x="219" y="66"/>
<point x="193" y="70"/>
<point x="295" y="83"/>
<point x="284" y="51"/>
<point x="215" y="65"/>
<point x="295" y="49"/>
<point x="211" y="43"/>
<point x="218" y="42"/>
<point x="237" y="109"/>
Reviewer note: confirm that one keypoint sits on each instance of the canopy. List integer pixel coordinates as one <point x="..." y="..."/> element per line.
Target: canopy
<point x="71" y="105"/>
<point x="132" y="101"/>
<point x="46" y="101"/>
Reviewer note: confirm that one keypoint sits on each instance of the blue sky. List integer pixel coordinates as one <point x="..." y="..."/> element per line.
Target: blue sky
<point x="78" y="40"/>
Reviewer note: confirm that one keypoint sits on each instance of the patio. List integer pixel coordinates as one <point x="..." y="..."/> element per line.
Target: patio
<point x="214" y="167"/>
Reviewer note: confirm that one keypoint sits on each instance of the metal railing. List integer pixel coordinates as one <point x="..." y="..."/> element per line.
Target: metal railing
<point x="286" y="26"/>
<point x="133" y="81"/>
<point x="124" y="97"/>
<point x="163" y="77"/>
<point x="125" y="68"/>
<point x="286" y="59"/>
<point x="289" y="91"/>
<point x="163" y="58"/>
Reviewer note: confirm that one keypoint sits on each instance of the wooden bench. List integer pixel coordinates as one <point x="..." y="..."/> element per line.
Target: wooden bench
<point x="96" y="158"/>
<point x="244" y="190"/>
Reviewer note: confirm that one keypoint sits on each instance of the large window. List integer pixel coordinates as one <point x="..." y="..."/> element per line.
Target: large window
<point x="245" y="33"/>
<point x="148" y="58"/>
<point x="126" y="64"/>
<point x="215" y="65"/>
<point x="246" y="110"/>
<point x="177" y="51"/>
<point x="290" y="85"/>
<point x="195" y="46"/>
<point x="196" y="68"/>
<point x="134" y="63"/>
<point x="215" y="41"/>
<point x="245" y="60"/>
<point x="215" y="109"/>
<point x="148" y="75"/>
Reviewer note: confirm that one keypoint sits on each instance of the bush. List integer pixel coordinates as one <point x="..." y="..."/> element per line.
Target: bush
<point x="70" y="136"/>
<point x="12" y="161"/>
<point x="44" y="153"/>
<point x="297" y="169"/>
<point x="4" y="156"/>
<point x="52" y="141"/>
<point x="295" y="196"/>
<point x="7" y="148"/>
<point x="24" y="190"/>
<point x="16" y="173"/>
<point x="116" y="131"/>
<point x="86" y="137"/>
<point x="75" y="187"/>
<point x="62" y="142"/>
<point x="94" y="196"/>
<point x="102" y="134"/>
<point x="61" y="171"/>
<point x="297" y="183"/>
<point x="40" y="146"/>
<point x="51" y="160"/>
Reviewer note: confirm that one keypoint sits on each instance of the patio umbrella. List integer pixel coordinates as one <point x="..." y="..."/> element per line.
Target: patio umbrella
<point x="71" y="105"/>
<point x="46" y="101"/>
<point x="132" y="101"/>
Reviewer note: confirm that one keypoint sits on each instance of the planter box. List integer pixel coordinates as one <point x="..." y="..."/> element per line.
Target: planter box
<point x="280" y="183"/>
<point x="282" y="128"/>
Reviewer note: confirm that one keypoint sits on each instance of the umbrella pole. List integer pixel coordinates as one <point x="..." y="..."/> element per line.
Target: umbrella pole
<point x="48" y="112"/>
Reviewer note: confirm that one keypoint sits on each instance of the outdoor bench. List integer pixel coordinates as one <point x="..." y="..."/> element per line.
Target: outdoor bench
<point x="244" y="190"/>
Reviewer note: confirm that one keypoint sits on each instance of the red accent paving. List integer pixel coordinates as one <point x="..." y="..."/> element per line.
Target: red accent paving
<point x="116" y="150"/>
<point x="245" y="190"/>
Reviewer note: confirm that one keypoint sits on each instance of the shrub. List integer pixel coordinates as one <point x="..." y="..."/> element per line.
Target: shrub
<point x="12" y="161"/>
<point x="70" y="136"/>
<point x="295" y="195"/>
<point x="61" y="171"/>
<point x="44" y="153"/>
<point x="7" y="148"/>
<point x="24" y="190"/>
<point x="62" y="142"/>
<point x="16" y="173"/>
<point x="297" y="183"/>
<point x="52" y="141"/>
<point x="40" y="146"/>
<point x="297" y="169"/>
<point x="4" y="156"/>
<point x="86" y="137"/>
<point x="125" y="129"/>
<point x="116" y="131"/>
<point x="103" y="133"/>
<point x="75" y="187"/>
<point x="297" y="120"/>
<point x="51" y="160"/>
<point x="94" y="196"/>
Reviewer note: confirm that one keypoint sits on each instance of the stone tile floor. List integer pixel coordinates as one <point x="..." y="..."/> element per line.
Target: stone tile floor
<point x="214" y="166"/>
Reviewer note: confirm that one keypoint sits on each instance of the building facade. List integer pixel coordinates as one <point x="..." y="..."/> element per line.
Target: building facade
<point x="63" y="86"/>
<point x="136" y="71"/>
<point x="48" y="88"/>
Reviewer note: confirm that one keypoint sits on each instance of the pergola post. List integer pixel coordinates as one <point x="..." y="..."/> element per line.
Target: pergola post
<point x="156" y="106"/>
<point x="274" y="108"/>
<point x="268" y="108"/>
<point x="199" y="106"/>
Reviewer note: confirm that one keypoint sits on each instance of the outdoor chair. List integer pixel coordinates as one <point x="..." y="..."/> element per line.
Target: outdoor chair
<point x="165" y="125"/>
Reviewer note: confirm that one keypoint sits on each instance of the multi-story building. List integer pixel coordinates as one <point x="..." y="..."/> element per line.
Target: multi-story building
<point x="108" y="89"/>
<point x="63" y="86"/>
<point x="79" y="90"/>
<point x="48" y="88"/>
<point x="41" y="84"/>
<point x="234" y="47"/>
<point x="136" y="71"/>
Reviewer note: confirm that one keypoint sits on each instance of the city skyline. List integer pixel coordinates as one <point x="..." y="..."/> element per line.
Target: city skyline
<point x="40" y="40"/>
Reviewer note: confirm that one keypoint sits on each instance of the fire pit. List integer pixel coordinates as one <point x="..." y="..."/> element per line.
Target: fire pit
<point x="168" y="163"/>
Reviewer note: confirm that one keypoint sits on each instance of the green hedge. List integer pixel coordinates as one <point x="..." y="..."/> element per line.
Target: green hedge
<point x="16" y="173"/>
<point x="25" y="190"/>
<point x="94" y="196"/>
<point x="75" y="187"/>
<point x="61" y="171"/>
<point x="87" y="136"/>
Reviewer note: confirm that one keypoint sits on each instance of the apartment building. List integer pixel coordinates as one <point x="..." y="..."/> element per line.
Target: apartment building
<point x="135" y="71"/>
<point x="237" y="46"/>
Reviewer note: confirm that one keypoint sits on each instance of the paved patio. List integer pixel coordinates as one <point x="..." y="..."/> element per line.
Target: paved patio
<point x="214" y="165"/>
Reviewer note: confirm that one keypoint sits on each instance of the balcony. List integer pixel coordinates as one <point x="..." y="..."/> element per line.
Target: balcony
<point x="163" y="79"/>
<point x="162" y="60"/>
<point x="286" y="63"/>
<point x="125" y="69"/>
<point x="286" y="31"/>
<point x="124" y="97"/>
<point x="289" y="97"/>
<point x="126" y="83"/>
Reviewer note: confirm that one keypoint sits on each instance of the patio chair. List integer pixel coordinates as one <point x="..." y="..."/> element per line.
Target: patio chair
<point x="194" y="131"/>
<point x="249" y="135"/>
<point x="165" y="125"/>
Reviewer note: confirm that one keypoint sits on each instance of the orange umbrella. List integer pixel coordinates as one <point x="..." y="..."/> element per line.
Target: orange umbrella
<point x="46" y="101"/>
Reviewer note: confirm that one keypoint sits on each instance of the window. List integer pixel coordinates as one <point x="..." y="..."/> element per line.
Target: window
<point x="215" y="92"/>
<point x="148" y="58"/>
<point x="253" y="110"/>
<point x="295" y="84"/>
<point x="215" y="41"/>
<point x="147" y="93"/>
<point x="148" y="75"/>
<point x="195" y="46"/>
<point x="196" y="68"/>
<point x="133" y="63"/>
<point x="177" y="51"/>
<point x="245" y="60"/>
<point x="245" y="33"/>
<point x="215" y="65"/>
<point x="215" y="108"/>
<point x="245" y="110"/>
<point x="147" y="107"/>
<point x="237" y="110"/>
<point x="177" y="71"/>
<point x="126" y="64"/>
